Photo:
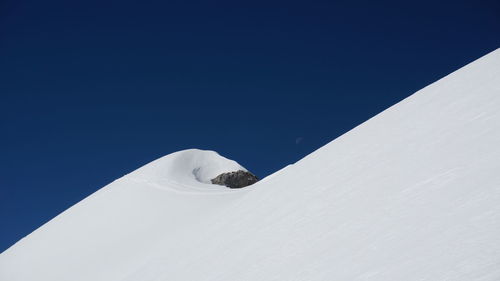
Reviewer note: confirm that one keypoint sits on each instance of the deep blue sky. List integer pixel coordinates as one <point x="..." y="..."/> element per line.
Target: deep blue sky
<point x="91" y="90"/>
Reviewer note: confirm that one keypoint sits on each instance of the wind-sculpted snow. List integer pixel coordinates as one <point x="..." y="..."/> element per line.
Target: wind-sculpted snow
<point x="191" y="169"/>
<point x="411" y="194"/>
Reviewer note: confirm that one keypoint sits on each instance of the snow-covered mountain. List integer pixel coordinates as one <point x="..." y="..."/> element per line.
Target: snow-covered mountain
<point x="411" y="194"/>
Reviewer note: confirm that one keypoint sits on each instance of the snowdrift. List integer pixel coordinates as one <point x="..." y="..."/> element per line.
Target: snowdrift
<point x="411" y="194"/>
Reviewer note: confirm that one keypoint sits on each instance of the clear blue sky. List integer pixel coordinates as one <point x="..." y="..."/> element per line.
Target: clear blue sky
<point x="91" y="90"/>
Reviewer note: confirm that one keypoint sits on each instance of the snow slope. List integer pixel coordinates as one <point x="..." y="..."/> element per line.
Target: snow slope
<point x="411" y="194"/>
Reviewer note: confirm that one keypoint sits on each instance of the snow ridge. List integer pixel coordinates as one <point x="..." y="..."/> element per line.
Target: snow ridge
<point x="412" y="194"/>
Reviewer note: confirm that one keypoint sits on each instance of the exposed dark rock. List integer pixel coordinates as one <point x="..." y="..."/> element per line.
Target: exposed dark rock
<point x="236" y="179"/>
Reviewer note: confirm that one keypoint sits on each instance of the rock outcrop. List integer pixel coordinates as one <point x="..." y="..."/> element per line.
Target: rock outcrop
<point x="236" y="179"/>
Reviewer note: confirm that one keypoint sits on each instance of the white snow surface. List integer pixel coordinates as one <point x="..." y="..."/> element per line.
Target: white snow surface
<point x="411" y="194"/>
<point x="191" y="168"/>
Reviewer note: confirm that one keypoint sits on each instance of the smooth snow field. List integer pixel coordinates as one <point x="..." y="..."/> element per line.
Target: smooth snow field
<point x="411" y="194"/>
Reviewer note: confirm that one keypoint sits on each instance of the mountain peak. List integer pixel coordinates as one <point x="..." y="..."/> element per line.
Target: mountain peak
<point x="190" y="167"/>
